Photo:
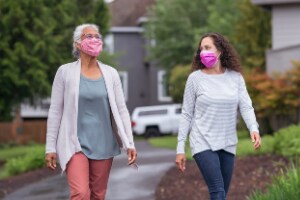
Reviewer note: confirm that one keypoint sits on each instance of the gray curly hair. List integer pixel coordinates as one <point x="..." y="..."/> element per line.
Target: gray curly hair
<point x="77" y="34"/>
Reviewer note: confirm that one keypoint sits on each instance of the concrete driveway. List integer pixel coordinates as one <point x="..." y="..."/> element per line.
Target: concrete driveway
<point x="125" y="183"/>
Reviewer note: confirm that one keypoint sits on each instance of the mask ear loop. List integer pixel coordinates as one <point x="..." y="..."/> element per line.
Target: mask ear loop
<point x="78" y="42"/>
<point x="218" y="60"/>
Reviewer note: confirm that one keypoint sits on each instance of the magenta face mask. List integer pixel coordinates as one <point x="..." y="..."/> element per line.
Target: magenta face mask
<point x="208" y="58"/>
<point x="91" y="46"/>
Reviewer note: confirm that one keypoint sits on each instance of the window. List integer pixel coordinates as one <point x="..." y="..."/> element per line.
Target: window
<point x="124" y="80"/>
<point x="109" y="43"/>
<point x="153" y="112"/>
<point x="178" y="111"/>
<point x="152" y="42"/>
<point x="163" y="87"/>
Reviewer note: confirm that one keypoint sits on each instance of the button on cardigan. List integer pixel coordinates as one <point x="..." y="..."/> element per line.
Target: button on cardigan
<point x="62" y="117"/>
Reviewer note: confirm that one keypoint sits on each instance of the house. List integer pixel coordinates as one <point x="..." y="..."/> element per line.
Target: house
<point x="285" y="33"/>
<point x="36" y="112"/>
<point x="143" y="81"/>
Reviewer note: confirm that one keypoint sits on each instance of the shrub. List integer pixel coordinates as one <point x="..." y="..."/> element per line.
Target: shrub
<point x="34" y="159"/>
<point x="178" y="78"/>
<point x="243" y="134"/>
<point x="8" y="145"/>
<point x="276" y="98"/>
<point x="283" y="187"/>
<point x="287" y="141"/>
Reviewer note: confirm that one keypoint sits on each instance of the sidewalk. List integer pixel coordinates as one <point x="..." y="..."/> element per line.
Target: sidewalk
<point x="125" y="183"/>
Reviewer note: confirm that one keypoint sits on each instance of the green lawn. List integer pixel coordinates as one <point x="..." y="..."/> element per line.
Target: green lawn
<point x="170" y="142"/>
<point x="17" y="151"/>
<point x="244" y="146"/>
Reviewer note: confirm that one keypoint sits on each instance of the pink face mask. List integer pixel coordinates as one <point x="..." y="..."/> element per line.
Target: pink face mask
<point x="91" y="46"/>
<point x="208" y="58"/>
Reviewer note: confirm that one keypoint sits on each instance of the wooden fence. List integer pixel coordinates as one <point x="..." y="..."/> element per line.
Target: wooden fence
<point x="23" y="132"/>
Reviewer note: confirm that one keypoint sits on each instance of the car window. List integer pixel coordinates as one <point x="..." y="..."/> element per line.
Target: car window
<point x="178" y="110"/>
<point x="153" y="112"/>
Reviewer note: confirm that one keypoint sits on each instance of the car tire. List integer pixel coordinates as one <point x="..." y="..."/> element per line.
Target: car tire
<point x="152" y="132"/>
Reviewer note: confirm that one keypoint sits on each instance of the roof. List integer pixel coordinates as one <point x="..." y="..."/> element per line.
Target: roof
<point x="273" y="2"/>
<point x="38" y="111"/>
<point x="126" y="29"/>
<point x="128" y="12"/>
<point x="292" y="47"/>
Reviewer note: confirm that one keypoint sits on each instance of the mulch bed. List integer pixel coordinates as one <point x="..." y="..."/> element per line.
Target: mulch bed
<point x="251" y="173"/>
<point x="13" y="183"/>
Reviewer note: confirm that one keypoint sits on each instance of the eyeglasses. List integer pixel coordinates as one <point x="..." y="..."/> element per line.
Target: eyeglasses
<point x="91" y="36"/>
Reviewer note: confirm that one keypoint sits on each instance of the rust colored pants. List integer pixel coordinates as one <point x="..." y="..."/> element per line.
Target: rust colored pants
<point x="87" y="178"/>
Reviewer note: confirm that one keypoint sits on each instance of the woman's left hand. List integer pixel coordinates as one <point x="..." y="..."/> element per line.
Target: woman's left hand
<point x="131" y="153"/>
<point x="256" y="139"/>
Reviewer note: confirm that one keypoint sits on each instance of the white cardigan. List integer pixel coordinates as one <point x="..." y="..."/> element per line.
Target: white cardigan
<point x="62" y="117"/>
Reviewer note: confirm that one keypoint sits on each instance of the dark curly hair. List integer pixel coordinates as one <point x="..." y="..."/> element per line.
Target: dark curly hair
<point x="229" y="57"/>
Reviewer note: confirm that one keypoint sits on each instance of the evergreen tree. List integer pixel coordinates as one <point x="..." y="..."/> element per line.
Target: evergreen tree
<point x="223" y="18"/>
<point x="35" y="39"/>
<point x="253" y="34"/>
<point x="175" y="26"/>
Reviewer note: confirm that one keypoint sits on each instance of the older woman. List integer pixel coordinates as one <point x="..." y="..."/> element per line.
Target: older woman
<point x="88" y="120"/>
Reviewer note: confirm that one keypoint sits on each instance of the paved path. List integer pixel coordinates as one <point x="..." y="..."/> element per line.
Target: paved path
<point x="125" y="183"/>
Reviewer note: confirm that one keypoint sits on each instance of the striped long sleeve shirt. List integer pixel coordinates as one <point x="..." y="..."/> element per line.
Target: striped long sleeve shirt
<point x="209" y="111"/>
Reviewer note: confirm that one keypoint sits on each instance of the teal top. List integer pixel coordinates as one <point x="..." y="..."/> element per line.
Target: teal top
<point x="94" y="123"/>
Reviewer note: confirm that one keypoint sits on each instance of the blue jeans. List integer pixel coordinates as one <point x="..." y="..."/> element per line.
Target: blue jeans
<point x="216" y="168"/>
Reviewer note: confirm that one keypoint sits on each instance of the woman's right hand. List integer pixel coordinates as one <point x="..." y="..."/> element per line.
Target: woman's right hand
<point x="180" y="161"/>
<point x="51" y="160"/>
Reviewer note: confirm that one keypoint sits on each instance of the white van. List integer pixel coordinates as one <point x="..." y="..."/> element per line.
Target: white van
<point x="156" y="120"/>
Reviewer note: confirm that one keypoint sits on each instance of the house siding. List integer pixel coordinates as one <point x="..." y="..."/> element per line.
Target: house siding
<point x="285" y="26"/>
<point x="281" y="60"/>
<point x="273" y="2"/>
<point x="130" y="48"/>
<point x="130" y="54"/>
